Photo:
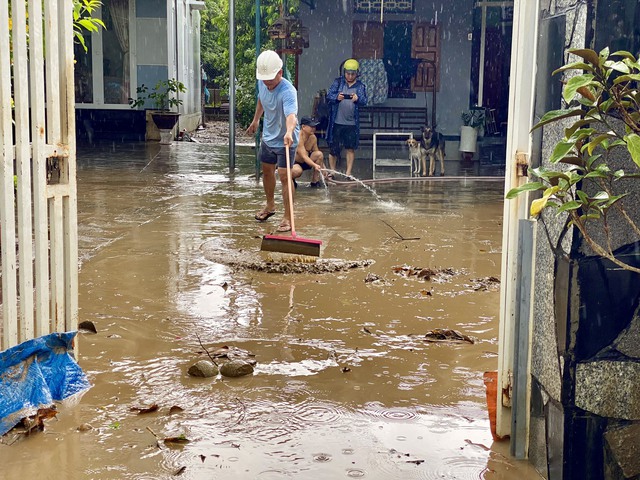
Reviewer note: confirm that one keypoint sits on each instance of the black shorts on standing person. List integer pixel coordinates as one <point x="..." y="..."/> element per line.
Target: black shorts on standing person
<point x="344" y="136"/>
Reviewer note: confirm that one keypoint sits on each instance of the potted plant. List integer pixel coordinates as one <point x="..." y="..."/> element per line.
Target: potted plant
<point x="163" y="97"/>
<point x="472" y="120"/>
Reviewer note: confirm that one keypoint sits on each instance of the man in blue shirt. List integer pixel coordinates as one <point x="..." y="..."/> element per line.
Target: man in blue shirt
<point x="278" y="101"/>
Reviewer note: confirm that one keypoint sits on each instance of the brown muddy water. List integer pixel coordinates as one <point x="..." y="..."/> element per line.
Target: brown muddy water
<point x="344" y="386"/>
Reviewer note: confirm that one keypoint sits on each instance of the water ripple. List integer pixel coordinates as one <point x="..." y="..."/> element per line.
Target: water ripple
<point x="376" y="410"/>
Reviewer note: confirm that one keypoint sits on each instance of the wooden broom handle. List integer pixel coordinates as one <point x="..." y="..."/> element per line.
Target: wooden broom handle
<point x="290" y="187"/>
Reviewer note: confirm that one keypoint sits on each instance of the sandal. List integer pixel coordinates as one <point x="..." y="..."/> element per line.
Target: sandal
<point x="284" y="226"/>
<point x="264" y="214"/>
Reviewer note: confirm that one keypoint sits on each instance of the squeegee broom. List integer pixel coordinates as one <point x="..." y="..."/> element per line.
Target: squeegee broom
<point x="293" y="244"/>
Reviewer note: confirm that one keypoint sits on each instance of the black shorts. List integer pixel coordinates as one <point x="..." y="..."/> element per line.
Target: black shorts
<point x="277" y="156"/>
<point x="304" y="166"/>
<point x="343" y="136"/>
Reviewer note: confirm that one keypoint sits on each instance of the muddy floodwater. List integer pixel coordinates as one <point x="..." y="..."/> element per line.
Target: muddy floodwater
<point x="345" y="384"/>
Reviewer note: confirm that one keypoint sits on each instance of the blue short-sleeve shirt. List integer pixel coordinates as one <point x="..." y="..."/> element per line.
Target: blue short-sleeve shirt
<point x="278" y="104"/>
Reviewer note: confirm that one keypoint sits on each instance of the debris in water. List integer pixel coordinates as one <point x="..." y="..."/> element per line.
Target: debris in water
<point x="180" y="440"/>
<point x="447" y="335"/>
<point x="252" y="261"/>
<point x="142" y="410"/>
<point x="485" y="284"/>
<point x="87" y="327"/>
<point x="426" y="274"/>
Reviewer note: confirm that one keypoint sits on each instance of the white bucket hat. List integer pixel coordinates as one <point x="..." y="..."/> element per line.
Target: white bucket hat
<point x="268" y="65"/>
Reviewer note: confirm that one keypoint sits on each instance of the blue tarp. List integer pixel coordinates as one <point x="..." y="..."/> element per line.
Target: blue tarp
<point x="36" y="373"/>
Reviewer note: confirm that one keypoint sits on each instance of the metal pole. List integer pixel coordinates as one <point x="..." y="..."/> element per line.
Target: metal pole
<point x="520" y="398"/>
<point x="258" y="46"/>
<point x="232" y="87"/>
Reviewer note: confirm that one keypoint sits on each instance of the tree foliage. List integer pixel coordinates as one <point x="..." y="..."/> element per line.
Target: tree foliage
<point x="215" y="46"/>
<point x="83" y="21"/>
<point x="603" y="119"/>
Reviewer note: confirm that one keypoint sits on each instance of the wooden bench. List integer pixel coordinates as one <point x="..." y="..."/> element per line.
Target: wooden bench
<point x="389" y="120"/>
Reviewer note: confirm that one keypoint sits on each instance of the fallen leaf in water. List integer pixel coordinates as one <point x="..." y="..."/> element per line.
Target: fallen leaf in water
<point x="180" y="471"/>
<point x="202" y="458"/>
<point x="345" y="369"/>
<point x="225" y="285"/>
<point x="36" y="422"/>
<point x="480" y="445"/>
<point x="447" y="335"/>
<point x="221" y="352"/>
<point x="175" y="409"/>
<point x="142" y="410"/>
<point x="180" y="440"/>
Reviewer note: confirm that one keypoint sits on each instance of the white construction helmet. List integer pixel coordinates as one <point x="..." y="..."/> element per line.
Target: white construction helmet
<point x="268" y="65"/>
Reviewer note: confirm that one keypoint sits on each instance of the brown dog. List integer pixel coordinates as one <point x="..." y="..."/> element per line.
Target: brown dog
<point x="433" y="143"/>
<point x="418" y="157"/>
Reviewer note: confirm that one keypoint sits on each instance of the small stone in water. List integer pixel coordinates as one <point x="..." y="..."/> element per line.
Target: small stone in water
<point x="203" y="368"/>
<point x="236" y="368"/>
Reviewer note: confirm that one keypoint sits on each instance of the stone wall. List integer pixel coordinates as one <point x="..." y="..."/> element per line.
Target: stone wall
<point x="585" y="398"/>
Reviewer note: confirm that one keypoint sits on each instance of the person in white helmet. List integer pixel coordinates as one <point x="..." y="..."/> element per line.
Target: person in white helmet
<point x="278" y="101"/>
<point x="345" y="97"/>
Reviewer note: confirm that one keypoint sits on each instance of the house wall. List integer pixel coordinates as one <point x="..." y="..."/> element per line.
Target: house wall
<point x="330" y="43"/>
<point x="165" y="43"/>
<point x="151" y="41"/>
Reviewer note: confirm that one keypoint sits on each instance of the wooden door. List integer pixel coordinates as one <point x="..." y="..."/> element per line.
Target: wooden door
<point x="425" y="45"/>
<point x="368" y="40"/>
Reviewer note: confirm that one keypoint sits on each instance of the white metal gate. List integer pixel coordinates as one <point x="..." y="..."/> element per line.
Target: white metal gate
<point x="38" y="218"/>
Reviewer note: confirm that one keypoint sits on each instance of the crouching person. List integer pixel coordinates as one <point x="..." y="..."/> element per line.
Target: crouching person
<point x="308" y="155"/>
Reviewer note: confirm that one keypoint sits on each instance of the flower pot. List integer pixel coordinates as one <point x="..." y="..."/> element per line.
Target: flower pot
<point x="165" y="121"/>
<point x="468" y="139"/>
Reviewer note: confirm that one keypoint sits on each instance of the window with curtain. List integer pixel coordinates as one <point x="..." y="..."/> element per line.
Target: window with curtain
<point x="115" y="51"/>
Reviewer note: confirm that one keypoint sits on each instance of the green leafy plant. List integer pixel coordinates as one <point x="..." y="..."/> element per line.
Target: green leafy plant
<point x="602" y="120"/>
<point x="473" y="118"/>
<point x="163" y="96"/>
<point x="83" y="20"/>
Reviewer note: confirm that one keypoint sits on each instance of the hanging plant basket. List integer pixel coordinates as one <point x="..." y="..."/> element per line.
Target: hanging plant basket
<point x="291" y="31"/>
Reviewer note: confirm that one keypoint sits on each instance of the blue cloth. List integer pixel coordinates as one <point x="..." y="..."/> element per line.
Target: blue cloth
<point x="36" y="373"/>
<point x="278" y="103"/>
<point x="332" y="99"/>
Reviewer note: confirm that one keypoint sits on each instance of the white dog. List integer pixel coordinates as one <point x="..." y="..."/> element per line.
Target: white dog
<point x="418" y="157"/>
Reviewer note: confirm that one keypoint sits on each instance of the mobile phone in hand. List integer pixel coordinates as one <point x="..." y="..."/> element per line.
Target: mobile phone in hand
<point x="347" y="96"/>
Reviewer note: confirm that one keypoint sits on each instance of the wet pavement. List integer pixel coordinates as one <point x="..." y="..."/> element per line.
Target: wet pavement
<point x="345" y="385"/>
